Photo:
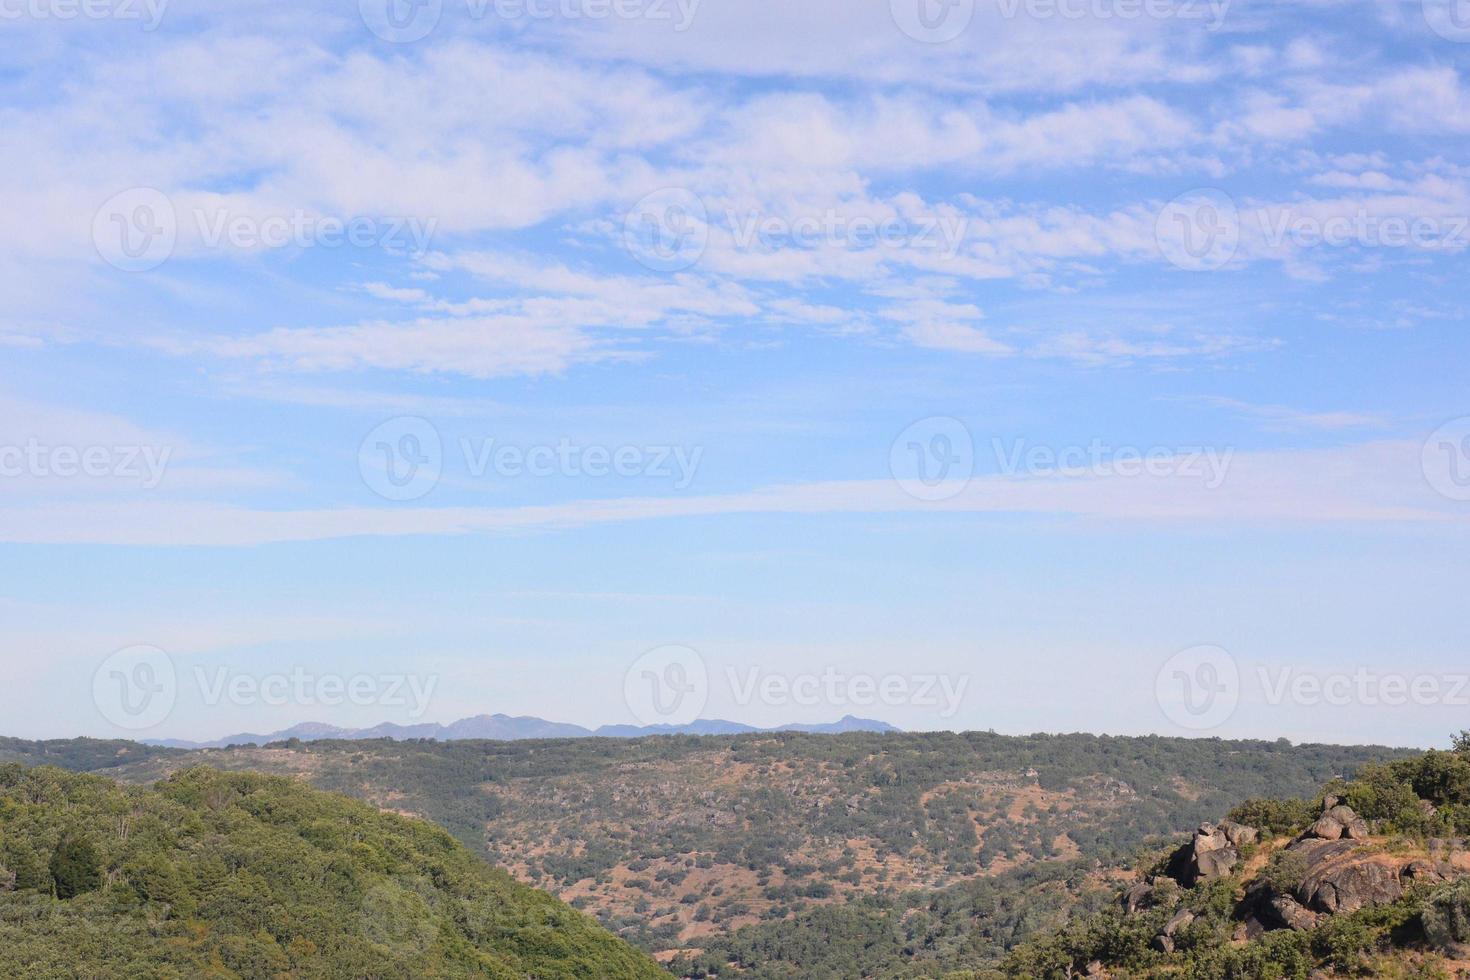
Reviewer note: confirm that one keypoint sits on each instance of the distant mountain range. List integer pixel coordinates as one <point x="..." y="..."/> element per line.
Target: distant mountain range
<point x="505" y="728"/>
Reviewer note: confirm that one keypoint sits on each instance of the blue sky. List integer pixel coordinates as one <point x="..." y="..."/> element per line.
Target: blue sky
<point x="881" y="321"/>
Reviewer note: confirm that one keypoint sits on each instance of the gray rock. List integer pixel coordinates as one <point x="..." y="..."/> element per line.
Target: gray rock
<point x="1208" y="856"/>
<point x="1138" y="898"/>
<point x="1292" y="914"/>
<point x="1326" y="828"/>
<point x="1353" y="825"/>
<point x="1238" y="834"/>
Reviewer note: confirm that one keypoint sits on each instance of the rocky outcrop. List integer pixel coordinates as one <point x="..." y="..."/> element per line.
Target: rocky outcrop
<point x="1212" y="853"/>
<point x="1346" y="875"/>
<point x="1342" y="873"/>
<point x="1336" y="822"/>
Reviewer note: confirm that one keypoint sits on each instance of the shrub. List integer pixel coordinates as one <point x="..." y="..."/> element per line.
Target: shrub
<point x="76" y="867"/>
<point x="1446" y="915"/>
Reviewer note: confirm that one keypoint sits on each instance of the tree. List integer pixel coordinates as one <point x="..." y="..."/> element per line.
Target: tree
<point x="75" y="867"/>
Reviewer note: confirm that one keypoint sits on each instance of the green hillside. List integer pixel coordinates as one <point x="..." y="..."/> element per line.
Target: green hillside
<point x="775" y="852"/>
<point x="212" y="874"/>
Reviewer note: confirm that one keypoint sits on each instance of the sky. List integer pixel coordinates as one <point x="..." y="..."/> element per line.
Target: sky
<point x="1028" y="365"/>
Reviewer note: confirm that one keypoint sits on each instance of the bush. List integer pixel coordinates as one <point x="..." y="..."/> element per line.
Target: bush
<point x="1275" y="818"/>
<point x="76" y="867"/>
<point x="1446" y="915"/>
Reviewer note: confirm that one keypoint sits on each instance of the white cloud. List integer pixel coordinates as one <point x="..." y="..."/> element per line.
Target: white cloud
<point x="1378" y="482"/>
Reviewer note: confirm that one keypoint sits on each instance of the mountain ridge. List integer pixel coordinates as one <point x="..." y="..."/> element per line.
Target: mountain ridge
<point x="508" y="728"/>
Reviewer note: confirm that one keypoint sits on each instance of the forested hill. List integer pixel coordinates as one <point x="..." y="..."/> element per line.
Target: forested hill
<point x="81" y="754"/>
<point x="680" y="843"/>
<point x="223" y="875"/>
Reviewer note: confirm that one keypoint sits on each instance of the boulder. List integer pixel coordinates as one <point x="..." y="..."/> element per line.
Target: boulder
<point x="1338" y="821"/>
<point x="1291" y="914"/>
<point x="1326" y="828"/>
<point x="1419" y="871"/>
<point x="1138" y="898"/>
<point x="1353" y="825"/>
<point x="1209" y="855"/>
<point x="1164" y="941"/>
<point x="1238" y="834"/>
<point x="1344" y="876"/>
